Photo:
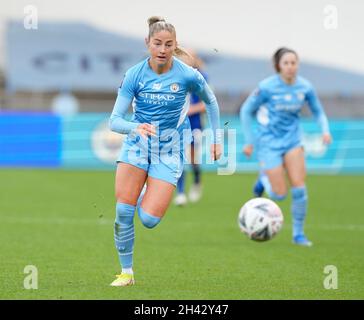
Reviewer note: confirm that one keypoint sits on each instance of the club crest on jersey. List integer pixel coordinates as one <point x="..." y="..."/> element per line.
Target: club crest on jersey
<point x="174" y="87"/>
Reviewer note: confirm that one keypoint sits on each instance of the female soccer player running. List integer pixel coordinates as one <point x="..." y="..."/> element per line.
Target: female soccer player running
<point x="277" y="102"/>
<point x="153" y="151"/>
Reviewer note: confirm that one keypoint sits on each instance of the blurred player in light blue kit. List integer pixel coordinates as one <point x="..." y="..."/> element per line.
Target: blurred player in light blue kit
<point x="277" y="103"/>
<point x="195" y="110"/>
<point x="153" y="151"/>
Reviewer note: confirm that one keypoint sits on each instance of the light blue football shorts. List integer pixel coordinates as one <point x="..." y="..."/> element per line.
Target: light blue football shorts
<point x="163" y="161"/>
<point x="271" y="154"/>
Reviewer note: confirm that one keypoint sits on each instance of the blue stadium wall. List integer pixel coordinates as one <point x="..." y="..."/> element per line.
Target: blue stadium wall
<point x="84" y="142"/>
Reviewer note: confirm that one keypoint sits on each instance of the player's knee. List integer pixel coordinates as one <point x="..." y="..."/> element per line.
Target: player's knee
<point x="122" y="198"/>
<point x="147" y="219"/>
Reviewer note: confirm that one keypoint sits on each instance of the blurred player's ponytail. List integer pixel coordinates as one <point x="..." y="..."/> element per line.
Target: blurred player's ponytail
<point x="278" y="56"/>
<point x="157" y="24"/>
<point x="181" y="53"/>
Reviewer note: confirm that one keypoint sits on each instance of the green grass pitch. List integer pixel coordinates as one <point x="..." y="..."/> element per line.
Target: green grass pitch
<point x="62" y="223"/>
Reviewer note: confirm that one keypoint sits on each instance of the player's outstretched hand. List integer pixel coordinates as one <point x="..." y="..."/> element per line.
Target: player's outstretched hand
<point x="146" y="129"/>
<point x="248" y="150"/>
<point x="326" y="138"/>
<point x="215" y="150"/>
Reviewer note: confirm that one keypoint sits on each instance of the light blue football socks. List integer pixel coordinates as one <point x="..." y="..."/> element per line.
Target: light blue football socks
<point x="124" y="233"/>
<point x="299" y="209"/>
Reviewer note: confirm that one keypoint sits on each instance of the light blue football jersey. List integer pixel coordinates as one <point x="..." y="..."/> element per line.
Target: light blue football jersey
<point x="277" y="106"/>
<point x="161" y="99"/>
